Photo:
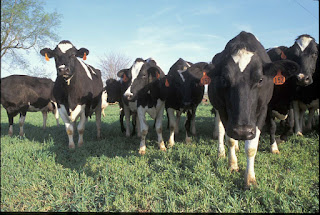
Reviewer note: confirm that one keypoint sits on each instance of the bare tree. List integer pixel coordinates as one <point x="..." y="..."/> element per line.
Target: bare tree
<point x="112" y="63"/>
<point x="39" y="72"/>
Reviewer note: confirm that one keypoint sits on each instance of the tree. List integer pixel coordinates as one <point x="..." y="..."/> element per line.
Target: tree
<point x="25" y="25"/>
<point x="112" y="63"/>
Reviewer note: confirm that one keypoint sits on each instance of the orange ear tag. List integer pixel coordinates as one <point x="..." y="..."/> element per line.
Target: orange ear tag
<point x="46" y="56"/>
<point x="205" y="79"/>
<point x="158" y="75"/>
<point x="167" y="83"/>
<point x="84" y="56"/>
<point x="283" y="56"/>
<point x="279" y="79"/>
<point x="125" y="78"/>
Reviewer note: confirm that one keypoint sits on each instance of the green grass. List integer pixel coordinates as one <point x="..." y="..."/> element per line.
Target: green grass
<point x="39" y="173"/>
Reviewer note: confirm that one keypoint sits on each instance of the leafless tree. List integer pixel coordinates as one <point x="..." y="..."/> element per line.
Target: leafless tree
<point x="39" y="72"/>
<point x="110" y="64"/>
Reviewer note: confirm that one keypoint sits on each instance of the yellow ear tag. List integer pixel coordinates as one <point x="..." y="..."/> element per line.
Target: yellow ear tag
<point x="205" y="79"/>
<point x="46" y="56"/>
<point x="84" y="56"/>
<point x="279" y="79"/>
<point x="167" y="83"/>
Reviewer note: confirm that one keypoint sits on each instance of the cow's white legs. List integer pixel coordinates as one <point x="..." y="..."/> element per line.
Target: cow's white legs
<point x="251" y="147"/>
<point x="69" y="129"/>
<point x="56" y="113"/>
<point x="178" y="116"/>
<point x="21" y="123"/>
<point x="127" y="116"/>
<point x="44" y="116"/>
<point x="297" y="118"/>
<point x="233" y="161"/>
<point x="81" y="126"/>
<point x="159" y="127"/>
<point x="143" y="128"/>
<point x="172" y="125"/>
<point x="221" y="133"/>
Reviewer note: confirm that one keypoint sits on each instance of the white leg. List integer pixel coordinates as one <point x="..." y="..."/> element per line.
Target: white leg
<point x="159" y="127"/>
<point x="69" y="126"/>
<point x="21" y="123"/>
<point x="143" y="128"/>
<point x="251" y="147"/>
<point x="172" y="125"/>
<point x="233" y="161"/>
<point x="221" y="133"/>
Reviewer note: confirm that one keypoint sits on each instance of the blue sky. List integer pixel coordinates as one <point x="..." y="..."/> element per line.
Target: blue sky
<point x="165" y="30"/>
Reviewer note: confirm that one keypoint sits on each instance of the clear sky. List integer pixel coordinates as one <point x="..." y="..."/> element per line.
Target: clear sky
<point x="166" y="30"/>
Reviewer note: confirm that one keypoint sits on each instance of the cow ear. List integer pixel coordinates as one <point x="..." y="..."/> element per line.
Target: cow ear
<point x="46" y="52"/>
<point x="288" y="68"/>
<point x="121" y="73"/>
<point x="156" y="72"/>
<point x="83" y="52"/>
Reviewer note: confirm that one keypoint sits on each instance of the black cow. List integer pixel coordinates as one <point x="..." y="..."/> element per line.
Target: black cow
<point x="185" y="93"/>
<point x="240" y="90"/>
<point x="146" y="93"/>
<point x="22" y="94"/>
<point x="77" y="89"/>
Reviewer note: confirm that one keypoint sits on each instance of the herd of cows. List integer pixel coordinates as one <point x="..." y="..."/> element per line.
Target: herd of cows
<point x="248" y="87"/>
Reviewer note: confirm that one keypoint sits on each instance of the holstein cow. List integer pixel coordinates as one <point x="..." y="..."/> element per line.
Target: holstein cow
<point x="22" y="94"/>
<point x="146" y="94"/>
<point x="240" y="90"/>
<point x="185" y="93"/>
<point x="77" y="89"/>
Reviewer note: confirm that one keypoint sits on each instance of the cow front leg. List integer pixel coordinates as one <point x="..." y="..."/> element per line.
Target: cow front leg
<point x="69" y="129"/>
<point x="81" y="127"/>
<point x="44" y="116"/>
<point x="98" y="121"/>
<point x="10" y="119"/>
<point x="21" y="122"/>
<point x="159" y="128"/>
<point x="56" y="113"/>
<point x="172" y="125"/>
<point x="187" y="126"/>
<point x="251" y="147"/>
<point x="297" y="120"/>
<point x="273" y="143"/>
<point x="143" y="129"/>
<point x="232" y="157"/>
<point x="127" y="116"/>
<point x="221" y="133"/>
<point x="178" y="117"/>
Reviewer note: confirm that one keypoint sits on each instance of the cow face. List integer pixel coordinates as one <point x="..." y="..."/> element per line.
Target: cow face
<point x="305" y="53"/>
<point x="143" y="74"/>
<point x="65" y="56"/>
<point x="242" y="85"/>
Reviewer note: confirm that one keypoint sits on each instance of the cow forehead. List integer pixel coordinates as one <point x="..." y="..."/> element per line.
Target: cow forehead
<point x="64" y="47"/>
<point x="242" y="57"/>
<point x="303" y="42"/>
<point x="136" y="69"/>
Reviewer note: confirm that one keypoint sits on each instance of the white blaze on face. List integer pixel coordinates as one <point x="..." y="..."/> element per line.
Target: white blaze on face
<point x="64" y="47"/>
<point x="242" y="58"/>
<point x="303" y="42"/>
<point x="134" y="72"/>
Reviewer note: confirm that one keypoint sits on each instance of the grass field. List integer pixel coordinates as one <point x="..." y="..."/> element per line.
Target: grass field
<point x="39" y="173"/>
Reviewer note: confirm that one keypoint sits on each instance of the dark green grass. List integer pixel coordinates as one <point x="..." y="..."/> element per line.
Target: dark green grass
<point x="40" y="173"/>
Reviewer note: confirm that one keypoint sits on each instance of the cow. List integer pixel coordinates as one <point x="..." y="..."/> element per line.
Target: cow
<point x="240" y="90"/>
<point x="185" y="93"/>
<point x="22" y="94"/>
<point x="146" y="93"/>
<point x="77" y="89"/>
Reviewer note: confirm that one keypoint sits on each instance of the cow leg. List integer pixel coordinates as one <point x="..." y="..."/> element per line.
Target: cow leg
<point x="81" y="126"/>
<point x="127" y="116"/>
<point x="121" y="120"/>
<point x="297" y="128"/>
<point x="158" y="119"/>
<point x="251" y="147"/>
<point x="69" y="125"/>
<point x="288" y="125"/>
<point x="178" y="117"/>
<point x="172" y="125"/>
<point x="136" y="125"/>
<point x="216" y="126"/>
<point x="10" y="118"/>
<point x="44" y="116"/>
<point x="273" y="143"/>
<point x="56" y="113"/>
<point x="21" y="122"/>
<point x="143" y="128"/>
<point x="221" y="133"/>
<point x="98" y="121"/>
<point x="193" y="121"/>
<point x="188" y="125"/>
<point x="232" y="157"/>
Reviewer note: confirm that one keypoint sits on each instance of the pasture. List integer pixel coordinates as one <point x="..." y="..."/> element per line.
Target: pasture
<point x="40" y="173"/>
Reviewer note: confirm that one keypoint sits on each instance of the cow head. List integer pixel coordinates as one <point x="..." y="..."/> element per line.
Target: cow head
<point x="305" y="53"/>
<point x="113" y="88"/>
<point x="65" y="56"/>
<point x="242" y="84"/>
<point x="143" y="73"/>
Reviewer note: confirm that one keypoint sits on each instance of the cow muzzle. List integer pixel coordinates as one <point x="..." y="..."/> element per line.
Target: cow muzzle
<point x="242" y="132"/>
<point x="304" y="80"/>
<point x="65" y="72"/>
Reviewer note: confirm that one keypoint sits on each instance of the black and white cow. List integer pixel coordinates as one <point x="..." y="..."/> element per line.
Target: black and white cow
<point x="240" y="90"/>
<point x="22" y="94"/>
<point x="185" y="93"/>
<point x="146" y="94"/>
<point x="77" y="89"/>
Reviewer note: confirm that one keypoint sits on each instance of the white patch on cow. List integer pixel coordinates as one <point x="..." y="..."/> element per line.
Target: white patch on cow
<point x="86" y="68"/>
<point x="274" y="147"/>
<point x="134" y="72"/>
<point x="279" y="115"/>
<point x="64" y="47"/>
<point x="62" y="66"/>
<point x="104" y="97"/>
<point x="301" y="76"/>
<point x="74" y="114"/>
<point x="303" y="42"/>
<point x="180" y="73"/>
<point x="242" y="58"/>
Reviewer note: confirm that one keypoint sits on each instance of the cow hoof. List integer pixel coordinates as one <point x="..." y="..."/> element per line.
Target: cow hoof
<point x="234" y="168"/>
<point x="80" y="144"/>
<point x="252" y="184"/>
<point x="221" y="154"/>
<point x="170" y="144"/>
<point x="142" y="151"/>
<point x="299" y="134"/>
<point x="72" y="147"/>
<point x="188" y="140"/>
<point x="162" y="146"/>
<point x="275" y="151"/>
